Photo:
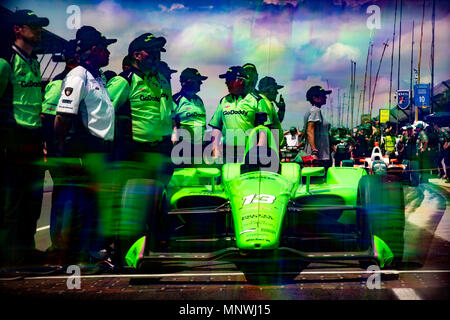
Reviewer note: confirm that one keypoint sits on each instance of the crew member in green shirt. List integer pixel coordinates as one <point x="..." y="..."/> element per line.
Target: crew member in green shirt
<point x="190" y="113"/>
<point x="343" y="144"/>
<point x="143" y="103"/>
<point x="252" y="73"/>
<point x="22" y="173"/>
<point x="57" y="173"/>
<point x="235" y="116"/>
<point x="268" y="89"/>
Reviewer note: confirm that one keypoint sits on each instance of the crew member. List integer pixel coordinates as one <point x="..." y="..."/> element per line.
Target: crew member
<point x="444" y="151"/>
<point x="190" y="113"/>
<point x="421" y="147"/>
<point x="317" y="127"/>
<point x="21" y="145"/>
<point x="268" y="90"/>
<point x="252" y="73"/>
<point x="342" y="146"/>
<point x="235" y="115"/>
<point x="84" y="127"/>
<point x="144" y="109"/>
<point x="56" y="170"/>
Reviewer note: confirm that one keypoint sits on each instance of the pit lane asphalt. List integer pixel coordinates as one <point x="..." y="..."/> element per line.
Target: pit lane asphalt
<point x="424" y="277"/>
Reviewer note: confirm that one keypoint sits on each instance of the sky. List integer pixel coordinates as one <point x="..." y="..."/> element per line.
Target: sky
<point x="299" y="43"/>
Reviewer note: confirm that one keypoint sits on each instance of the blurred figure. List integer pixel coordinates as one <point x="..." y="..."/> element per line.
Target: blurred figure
<point x="317" y="127"/>
<point x="84" y="127"/>
<point x="421" y="149"/>
<point x="142" y="97"/>
<point x="22" y="173"/>
<point x="190" y="114"/>
<point x="235" y="115"/>
<point x="268" y="90"/>
<point x="388" y="141"/>
<point x="342" y="145"/>
<point x="51" y="99"/>
<point x="293" y="139"/>
<point x="443" y="159"/>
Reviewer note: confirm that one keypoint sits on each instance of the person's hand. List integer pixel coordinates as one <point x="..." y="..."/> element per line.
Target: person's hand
<point x="280" y="104"/>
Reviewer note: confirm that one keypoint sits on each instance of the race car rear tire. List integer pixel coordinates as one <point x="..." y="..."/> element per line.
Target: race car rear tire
<point x="381" y="213"/>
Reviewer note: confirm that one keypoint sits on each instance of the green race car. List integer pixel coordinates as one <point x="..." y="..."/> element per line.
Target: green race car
<point x="271" y="220"/>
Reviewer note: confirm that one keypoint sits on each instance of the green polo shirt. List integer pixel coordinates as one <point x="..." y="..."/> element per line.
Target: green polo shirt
<point x="236" y="116"/>
<point x="150" y="101"/>
<point x="25" y="76"/>
<point x="191" y="113"/>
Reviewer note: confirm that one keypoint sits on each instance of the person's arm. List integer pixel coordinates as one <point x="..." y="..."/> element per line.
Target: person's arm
<point x="118" y="89"/>
<point x="72" y="93"/>
<point x="311" y="140"/>
<point x="63" y="122"/>
<point x="281" y="108"/>
<point x="216" y="123"/>
<point x="216" y="137"/>
<point x="5" y="72"/>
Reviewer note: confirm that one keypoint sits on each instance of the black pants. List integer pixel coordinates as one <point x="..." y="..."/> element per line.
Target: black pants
<point x="22" y="175"/>
<point x="140" y="176"/>
<point x="338" y="157"/>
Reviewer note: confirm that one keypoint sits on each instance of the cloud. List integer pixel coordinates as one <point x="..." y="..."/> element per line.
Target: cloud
<point x="337" y="53"/>
<point x="107" y="17"/>
<point x="204" y="42"/>
<point x="173" y="7"/>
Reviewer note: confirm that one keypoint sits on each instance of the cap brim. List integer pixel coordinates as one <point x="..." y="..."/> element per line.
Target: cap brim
<point x="110" y="41"/>
<point x="279" y="87"/>
<point x="43" y="22"/>
<point x="203" y="78"/>
<point x="223" y="76"/>
<point x="327" y="91"/>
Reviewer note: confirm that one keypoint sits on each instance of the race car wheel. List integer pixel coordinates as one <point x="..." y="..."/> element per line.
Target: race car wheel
<point x="381" y="215"/>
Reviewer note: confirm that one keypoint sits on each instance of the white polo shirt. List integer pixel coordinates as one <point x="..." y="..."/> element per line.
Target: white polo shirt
<point x="83" y="93"/>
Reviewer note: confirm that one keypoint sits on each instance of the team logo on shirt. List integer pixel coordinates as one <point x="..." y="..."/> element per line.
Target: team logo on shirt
<point x="68" y="91"/>
<point x="25" y="84"/>
<point x="195" y="115"/>
<point x="234" y="112"/>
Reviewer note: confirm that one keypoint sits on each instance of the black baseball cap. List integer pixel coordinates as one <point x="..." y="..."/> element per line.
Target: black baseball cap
<point x="28" y="17"/>
<point x="164" y="68"/>
<point x="147" y="41"/>
<point x="233" y="73"/>
<point x="191" y="74"/>
<point x="316" y="91"/>
<point x="268" y="82"/>
<point x="88" y="36"/>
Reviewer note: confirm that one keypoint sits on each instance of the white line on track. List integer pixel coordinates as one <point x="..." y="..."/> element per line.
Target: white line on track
<point x="42" y="228"/>
<point x="183" y="275"/>
<point x="406" y="294"/>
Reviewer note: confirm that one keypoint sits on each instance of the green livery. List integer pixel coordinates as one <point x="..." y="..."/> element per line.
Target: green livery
<point x="258" y="216"/>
